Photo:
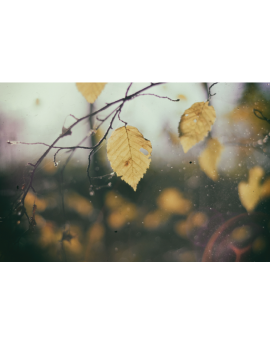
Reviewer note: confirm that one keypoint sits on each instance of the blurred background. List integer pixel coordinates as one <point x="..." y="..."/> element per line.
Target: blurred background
<point x="178" y="213"/>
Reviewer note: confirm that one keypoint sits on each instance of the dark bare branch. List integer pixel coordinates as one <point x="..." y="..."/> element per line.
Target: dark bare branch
<point x="152" y="94"/>
<point x="209" y="91"/>
<point x="115" y="112"/>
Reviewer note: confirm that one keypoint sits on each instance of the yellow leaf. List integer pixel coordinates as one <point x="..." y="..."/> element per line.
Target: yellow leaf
<point x="121" y="215"/>
<point x="172" y="201"/>
<point x="210" y="157"/>
<point x="154" y="218"/>
<point x="90" y="91"/>
<point x="113" y="200"/>
<point x="241" y="233"/>
<point x="194" y="220"/>
<point x="253" y="191"/>
<point x="124" y="154"/>
<point x="79" y="204"/>
<point x="49" y="234"/>
<point x="195" y="124"/>
<point x="96" y="233"/>
<point x="31" y="199"/>
<point x="265" y="190"/>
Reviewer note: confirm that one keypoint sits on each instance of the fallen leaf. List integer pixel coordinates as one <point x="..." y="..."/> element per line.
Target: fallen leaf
<point x="210" y="157"/>
<point x="172" y="201"/>
<point x="251" y="192"/>
<point x="124" y="154"/>
<point x="195" y="124"/>
<point x="90" y="91"/>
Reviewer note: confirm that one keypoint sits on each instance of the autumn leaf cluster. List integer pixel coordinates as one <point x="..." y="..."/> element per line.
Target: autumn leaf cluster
<point x="128" y="162"/>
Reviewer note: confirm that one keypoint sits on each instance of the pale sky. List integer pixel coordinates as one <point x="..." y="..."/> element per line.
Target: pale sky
<point x="42" y="120"/>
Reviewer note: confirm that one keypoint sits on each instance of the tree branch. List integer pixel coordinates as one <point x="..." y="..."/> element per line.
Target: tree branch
<point x="116" y="112"/>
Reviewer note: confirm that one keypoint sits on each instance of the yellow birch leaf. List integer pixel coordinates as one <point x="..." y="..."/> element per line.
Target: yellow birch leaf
<point x="210" y="157"/>
<point x="251" y="192"/>
<point x="265" y="191"/>
<point x="195" y="124"/>
<point x="90" y="91"/>
<point x="124" y="154"/>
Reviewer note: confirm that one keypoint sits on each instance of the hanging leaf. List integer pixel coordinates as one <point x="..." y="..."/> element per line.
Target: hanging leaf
<point x="90" y="91"/>
<point x="253" y="191"/>
<point x="124" y="154"/>
<point x="195" y="124"/>
<point x="210" y="157"/>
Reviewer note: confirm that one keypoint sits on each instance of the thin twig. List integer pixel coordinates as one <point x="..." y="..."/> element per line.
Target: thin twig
<point x="100" y="141"/>
<point x="255" y="111"/>
<point x="53" y="147"/>
<point x="152" y="94"/>
<point x="209" y="91"/>
<point x="128" y="89"/>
